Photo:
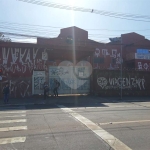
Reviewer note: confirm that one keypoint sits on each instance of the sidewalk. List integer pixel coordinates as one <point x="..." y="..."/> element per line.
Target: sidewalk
<point x="72" y="100"/>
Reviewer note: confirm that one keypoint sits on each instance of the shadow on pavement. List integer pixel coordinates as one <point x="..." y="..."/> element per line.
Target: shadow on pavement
<point x="68" y="101"/>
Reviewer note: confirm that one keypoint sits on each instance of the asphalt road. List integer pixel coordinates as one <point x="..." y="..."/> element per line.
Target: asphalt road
<point x="119" y="126"/>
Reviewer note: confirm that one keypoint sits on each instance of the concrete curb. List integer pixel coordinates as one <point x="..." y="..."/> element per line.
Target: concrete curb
<point x="5" y="105"/>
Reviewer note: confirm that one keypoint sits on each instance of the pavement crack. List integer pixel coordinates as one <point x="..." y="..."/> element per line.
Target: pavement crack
<point x="51" y="131"/>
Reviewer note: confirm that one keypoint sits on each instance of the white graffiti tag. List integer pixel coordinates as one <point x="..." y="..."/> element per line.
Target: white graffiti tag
<point x="97" y="52"/>
<point x="102" y="82"/>
<point x="127" y="83"/>
<point x="23" y="60"/>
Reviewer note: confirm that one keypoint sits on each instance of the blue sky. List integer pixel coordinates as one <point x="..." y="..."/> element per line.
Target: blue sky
<point x="14" y="11"/>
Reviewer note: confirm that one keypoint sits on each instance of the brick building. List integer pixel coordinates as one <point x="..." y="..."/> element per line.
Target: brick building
<point x="27" y="66"/>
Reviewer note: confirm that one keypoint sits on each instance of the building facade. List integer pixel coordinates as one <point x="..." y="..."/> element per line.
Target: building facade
<point x="81" y="65"/>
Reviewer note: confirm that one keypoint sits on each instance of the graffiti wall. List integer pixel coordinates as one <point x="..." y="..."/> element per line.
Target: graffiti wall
<point x="38" y="80"/>
<point x="16" y="61"/>
<point x="132" y="83"/>
<point x="142" y="65"/>
<point x="17" y="65"/>
<point x="106" y="58"/>
<point x="19" y="87"/>
<point x="73" y="79"/>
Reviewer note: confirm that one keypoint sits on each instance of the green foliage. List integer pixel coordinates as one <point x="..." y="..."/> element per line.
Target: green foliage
<point x="4" y="39"/>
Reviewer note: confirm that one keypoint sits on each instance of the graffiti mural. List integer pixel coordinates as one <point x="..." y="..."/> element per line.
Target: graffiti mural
<point x="38" y="82"/>
<point x="19" y="87"/>
<point x="73" y="79"/>
<point x="143" y="65"/>
<point x="115" y="83"/>
<point x="57" y="71"/>
<point x="23" y="60"/>
<point x="17" y="65"/>
<point x="110" y="59"/>
<point x="109" y="82"/>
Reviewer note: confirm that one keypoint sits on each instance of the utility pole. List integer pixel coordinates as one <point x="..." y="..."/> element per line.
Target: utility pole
<point x="121" y="70"/>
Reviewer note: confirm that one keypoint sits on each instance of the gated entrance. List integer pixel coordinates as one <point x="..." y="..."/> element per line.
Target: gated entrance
<point x="69" y="82"/>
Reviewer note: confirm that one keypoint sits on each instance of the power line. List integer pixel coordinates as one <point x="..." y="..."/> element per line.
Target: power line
<point x="84" y="42"/>
<point x="20" y="36"/>
<point x="23" y="35"/>
<point x="56" y="33"/>
<point x="4" y="22"/>
<point x="27" y="29"/>
<point x="44" y="35"/>
<point x="32" y="26"/>
<point x="75" y="7"/>
<point x="96" y="37"/>
<point x="100" y="12"/>
<point x="43" y="31"/>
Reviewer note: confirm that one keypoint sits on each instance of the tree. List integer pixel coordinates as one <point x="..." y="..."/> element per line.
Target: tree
<point x="4" y="39"/>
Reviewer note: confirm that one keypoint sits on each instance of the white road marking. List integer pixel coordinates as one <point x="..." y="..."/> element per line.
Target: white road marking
<point x="17" y="128"/>
<point x="12" y="140"/>
<point x="107" y="137"/>
<point x="13" y="116"/>
<point x="105" y="107"/>
<point x="123" y="122"/>
<point x="12" y="112"/>
<point x="12" y="121"/>
<point x="85" y="107"/>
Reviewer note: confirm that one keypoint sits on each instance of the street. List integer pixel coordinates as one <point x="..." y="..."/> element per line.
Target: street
<point x="104" y="126"/>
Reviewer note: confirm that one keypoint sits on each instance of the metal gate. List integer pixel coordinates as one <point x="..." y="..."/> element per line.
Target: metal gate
<point x="69" y="83"/>
<point x="38" y="80"/>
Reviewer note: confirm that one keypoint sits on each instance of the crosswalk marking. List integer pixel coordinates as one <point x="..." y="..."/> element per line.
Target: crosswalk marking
<point x="13" y="128"/>
<point x="12" y="121"/>
<point x="10" y="115"/>
<point x="12" y="112"/>
<point x="12" y="140"/>
<point x="15" y="116"/>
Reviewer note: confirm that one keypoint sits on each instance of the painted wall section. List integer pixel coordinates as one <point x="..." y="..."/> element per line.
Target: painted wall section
<point x="109" y="82"/>
<point x="69" y="83"/>
<point x="18" y="64"/>
<point x="107" y="58"/>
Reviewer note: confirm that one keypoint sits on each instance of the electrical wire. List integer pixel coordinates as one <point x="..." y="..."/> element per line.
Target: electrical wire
<point x="100" y="12"/>
<point x="54" y="33"/>
<point x="32" y="26"/>
<point x="43" y="32"/>
<point x="92" y="43"/>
